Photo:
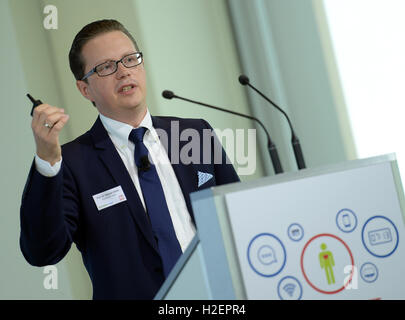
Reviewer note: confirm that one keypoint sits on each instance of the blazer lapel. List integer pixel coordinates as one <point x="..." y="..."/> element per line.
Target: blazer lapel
<point x="186" y="174"/>
<point x="113" y="163"/>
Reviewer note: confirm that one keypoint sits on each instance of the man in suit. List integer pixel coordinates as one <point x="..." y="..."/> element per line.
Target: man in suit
<point x="113" y="191"/>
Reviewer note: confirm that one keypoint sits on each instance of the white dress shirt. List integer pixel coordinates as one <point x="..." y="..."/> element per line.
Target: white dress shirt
<point x="119" y="133"/>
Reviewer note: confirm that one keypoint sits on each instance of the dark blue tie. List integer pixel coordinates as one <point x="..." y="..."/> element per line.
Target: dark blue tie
<point x="155" y="202"/>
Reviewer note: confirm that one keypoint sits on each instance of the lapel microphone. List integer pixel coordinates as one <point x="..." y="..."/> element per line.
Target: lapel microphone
<point x="145" y="164"/>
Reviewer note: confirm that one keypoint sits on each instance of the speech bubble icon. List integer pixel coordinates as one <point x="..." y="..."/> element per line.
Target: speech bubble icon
<point x="267" y="255"/>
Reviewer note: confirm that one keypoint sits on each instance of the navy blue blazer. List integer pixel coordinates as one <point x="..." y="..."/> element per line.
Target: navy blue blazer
<point x="116" y="243"/>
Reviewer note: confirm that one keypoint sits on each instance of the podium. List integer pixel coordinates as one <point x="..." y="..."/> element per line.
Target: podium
<point x="335" y="232"/>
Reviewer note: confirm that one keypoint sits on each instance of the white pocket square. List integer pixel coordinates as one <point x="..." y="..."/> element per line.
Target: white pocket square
<point x="203" y="177"/>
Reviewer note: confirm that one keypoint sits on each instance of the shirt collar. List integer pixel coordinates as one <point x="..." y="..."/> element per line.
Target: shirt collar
<point x="119" y="131"/>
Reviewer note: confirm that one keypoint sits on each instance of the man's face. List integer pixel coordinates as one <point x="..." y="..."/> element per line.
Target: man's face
<point x="107" y="91"/>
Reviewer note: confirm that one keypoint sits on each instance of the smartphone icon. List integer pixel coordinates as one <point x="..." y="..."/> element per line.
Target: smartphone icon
<point x="346" y="220"/>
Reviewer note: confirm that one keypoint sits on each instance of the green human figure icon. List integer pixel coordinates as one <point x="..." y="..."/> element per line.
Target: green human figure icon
<point x="327" y="262"/>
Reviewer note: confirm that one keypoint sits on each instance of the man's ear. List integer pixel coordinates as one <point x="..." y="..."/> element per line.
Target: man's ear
<point x="83" y="87"/>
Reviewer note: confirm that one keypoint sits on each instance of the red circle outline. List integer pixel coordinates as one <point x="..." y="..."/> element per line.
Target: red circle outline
<point x="302" y="263"/>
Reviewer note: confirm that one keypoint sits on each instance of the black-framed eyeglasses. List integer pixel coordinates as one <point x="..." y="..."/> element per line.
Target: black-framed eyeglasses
<point x="110" y="67"/>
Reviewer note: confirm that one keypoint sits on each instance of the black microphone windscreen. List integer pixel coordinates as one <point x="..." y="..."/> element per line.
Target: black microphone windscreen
<point x="167" y="94"/>
<point x="244" y="80"/>
<point x="145" y="164"/>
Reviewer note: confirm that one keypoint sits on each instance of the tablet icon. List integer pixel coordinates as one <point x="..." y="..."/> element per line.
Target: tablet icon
<point x="347" y="223"/>
<point x="346" y="220"/>
<point x="380" y="236"/>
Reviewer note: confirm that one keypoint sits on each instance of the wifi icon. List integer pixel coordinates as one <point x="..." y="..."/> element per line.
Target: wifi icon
<point x="289" y="288"/>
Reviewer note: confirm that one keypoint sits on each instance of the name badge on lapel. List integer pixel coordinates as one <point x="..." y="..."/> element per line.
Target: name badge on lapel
<point x="109" y="198"/>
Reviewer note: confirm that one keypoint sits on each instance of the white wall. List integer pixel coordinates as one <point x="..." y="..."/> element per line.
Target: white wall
<point x="18" y="280"/>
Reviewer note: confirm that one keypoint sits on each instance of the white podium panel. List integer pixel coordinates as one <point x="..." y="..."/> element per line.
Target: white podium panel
<point x="334" y="232"/>
<point x="336" y="235"/>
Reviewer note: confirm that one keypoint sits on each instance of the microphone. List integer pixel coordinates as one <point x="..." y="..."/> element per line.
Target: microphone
<point x="145" y="164"/>
<point x="244" y="80"/>
<point x="167" y="94"/>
